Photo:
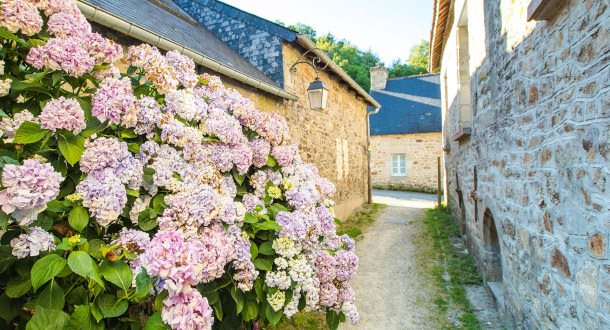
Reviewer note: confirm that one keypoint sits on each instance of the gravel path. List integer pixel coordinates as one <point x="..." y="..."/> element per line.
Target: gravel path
<point x="386" y="283"/>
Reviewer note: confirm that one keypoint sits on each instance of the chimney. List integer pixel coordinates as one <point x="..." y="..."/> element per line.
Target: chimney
<point x="379" y="76"/>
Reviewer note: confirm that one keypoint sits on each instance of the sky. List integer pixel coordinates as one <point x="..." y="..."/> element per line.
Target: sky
<point x="389" y="27"/>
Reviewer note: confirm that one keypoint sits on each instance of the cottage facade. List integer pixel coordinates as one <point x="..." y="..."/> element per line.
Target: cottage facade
<point x="526" y="127"/>
<point x="255" y="56"/>
<point x="406" y="137"/>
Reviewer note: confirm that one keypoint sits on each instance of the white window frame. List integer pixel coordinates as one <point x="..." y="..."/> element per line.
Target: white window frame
<point x="399" y="165"/>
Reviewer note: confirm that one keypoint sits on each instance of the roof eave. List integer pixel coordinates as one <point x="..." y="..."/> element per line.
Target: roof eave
<point x="437" y="33"/>
<point x="100" y="16"/>
<point x="308" y="44"/>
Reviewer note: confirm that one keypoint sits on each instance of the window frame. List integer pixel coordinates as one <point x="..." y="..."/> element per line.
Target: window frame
<point x="399" y="162"/>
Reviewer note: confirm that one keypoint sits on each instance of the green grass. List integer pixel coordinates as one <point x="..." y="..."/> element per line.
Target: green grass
<point x="359" y="221"/>
<point x="301" y="321"/>
<point x="460" y="267"/>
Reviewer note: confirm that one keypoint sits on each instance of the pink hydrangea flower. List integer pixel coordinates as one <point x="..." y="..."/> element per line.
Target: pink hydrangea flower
<point x="284" y="154"/>
<point x="32" y="243"/>
<point x="63" y="113"/>
<point x="260" y="151"/>
<point x="103" y="50"/>
<point x="64" y="24"/>
<point x="187" y="311"/>
<point x="20" y="15"/>
<point x="184" y="67"/>
<point x="326" y="264"/>
<point x="65" y="54"/>
<point x="28" y="189"/>
<point x="241" y="155"/>
<point x="328" y="294"/>
<point x="114" y="100"/>
<point x="347" y="262"/>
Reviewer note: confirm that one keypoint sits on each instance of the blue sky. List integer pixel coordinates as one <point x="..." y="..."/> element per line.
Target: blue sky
<point x="389" y="27"/>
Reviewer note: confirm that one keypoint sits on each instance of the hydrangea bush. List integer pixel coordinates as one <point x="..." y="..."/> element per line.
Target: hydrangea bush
<point x="152" y="198"/>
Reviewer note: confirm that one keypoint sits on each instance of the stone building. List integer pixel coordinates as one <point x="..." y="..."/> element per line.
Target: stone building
<point x="526" y="126"/>
<point x="255" y="56"/>
<point x="406" y="137"/>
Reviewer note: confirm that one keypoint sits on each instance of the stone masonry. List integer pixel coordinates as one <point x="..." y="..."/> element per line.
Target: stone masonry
<point x="421" y="151"/>
<point x="530" y="182"/>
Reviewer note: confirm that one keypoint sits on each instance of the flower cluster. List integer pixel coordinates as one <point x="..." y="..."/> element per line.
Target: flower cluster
<point x="74" y="48"/>
<point x="32" y="243"/>
<point x="8" y="126"/>
<point x="20" y="15"/>
<point x="224" y="202"/>
<point x="114" y="100"/>
<point x="28" y="189"/>
<point x="63" y="113"/>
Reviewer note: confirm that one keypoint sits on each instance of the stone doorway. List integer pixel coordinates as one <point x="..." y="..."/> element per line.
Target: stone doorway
<point x="492" y="260"/>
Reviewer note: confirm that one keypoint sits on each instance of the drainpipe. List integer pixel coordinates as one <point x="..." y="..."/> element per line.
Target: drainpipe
<point x="368" y="152"/>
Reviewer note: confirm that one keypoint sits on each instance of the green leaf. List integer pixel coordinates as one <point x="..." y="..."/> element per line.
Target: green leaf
<point x="266" y="249"/>
<point x="51" y="297"/>
<point x="110" y="307"/>
<point x="263" y="264"/>
<point x="95" y="311"/>
<point x="155" y="322"/>
<point x="268" y="225"/>
<point x="144" y="284"/>
<point x="271" y="161"/>
<point x="18" y="286"/>
<point x="7" y="35"/>
<point x="332" y="319"/>
<point x="9" y="308"/>
<point x="80" y="262"/>
<point x="128" y="134"/>
<point x="148" y="175"/>
<point x="48" y="319"/>
<point x="30" y="132"/>
<point x="239" y="298"/>
<point x="77" y="296"/>
<point x="217" y="307"/>
<point x="82" y="319"/>
<point x="338" y="222"/>
<point x="145" y="221"/>
<point x="71" y="146"/>
<point x="95" y="275"/>
<point x="117" y="273"/>
<point x="253" y="250"/>
<point x="159" y="299"/>
<point x="78" y="218"/>
<point x="133" y="147"/>
<point x="94" y="125"/>
<point x="277" y="208"/>
<point x="158" y="203"/>
<point x="132" y="192"/>
<point x="238" y="177"/>
<point x="250" y="310"/>
<point x="250" y="218"/>
<point x="85" y="104"/>
<point x="273" y="316"/>
<point x="45" y="269"/>
<point x="258" y="288"/>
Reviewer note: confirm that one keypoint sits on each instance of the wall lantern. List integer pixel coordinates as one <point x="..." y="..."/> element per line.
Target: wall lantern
<point x="317" y="92"/>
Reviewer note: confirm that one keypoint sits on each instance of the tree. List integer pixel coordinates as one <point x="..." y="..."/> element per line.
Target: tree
<point x="419" y="55"/>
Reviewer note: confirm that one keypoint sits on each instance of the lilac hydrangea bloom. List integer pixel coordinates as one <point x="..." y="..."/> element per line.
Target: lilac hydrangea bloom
<point x="326" y="264"/>
<point x="184" y="67"/>
<point x="104" y="195"/>
<point x="32" y="243"/>
<point x="187" y="311"/>
<point x="63" y="113"/>
<point x="114" y="100"/>
<point x="241" y="155"/>
<point x="28" y="189"/>
<point x="292" y="224"/>
<point x="347" y="262"/>
<point x="260" y="151"/>
<point x="346" y="293"/>
<point x="284" y="154"/>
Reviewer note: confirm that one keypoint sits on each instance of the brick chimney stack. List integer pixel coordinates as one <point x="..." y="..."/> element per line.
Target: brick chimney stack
<point x="379" y="77"/>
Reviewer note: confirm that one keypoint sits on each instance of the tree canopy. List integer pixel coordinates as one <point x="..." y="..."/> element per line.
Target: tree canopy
<point x="356" y="62"/>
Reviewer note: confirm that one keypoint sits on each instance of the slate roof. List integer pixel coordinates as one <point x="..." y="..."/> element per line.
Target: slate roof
<point x="248" y="18"/>
<point x="176" y="25"/>
<point x="408" y="105"/>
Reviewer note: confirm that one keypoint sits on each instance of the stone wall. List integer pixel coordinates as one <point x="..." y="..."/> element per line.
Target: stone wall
<point x="530" y="185"/>
<point x="421" y="151"/>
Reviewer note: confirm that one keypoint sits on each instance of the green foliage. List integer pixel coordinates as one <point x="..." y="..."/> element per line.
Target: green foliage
<point x="419" y="56"/>
<point x="358" y="221"/>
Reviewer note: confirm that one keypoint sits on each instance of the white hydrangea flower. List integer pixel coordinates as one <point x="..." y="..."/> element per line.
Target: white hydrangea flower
<point x="276" y="300"/>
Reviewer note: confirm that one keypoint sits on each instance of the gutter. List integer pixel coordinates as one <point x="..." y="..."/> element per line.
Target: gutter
<point x="304" y="41"/>
<point x="98" y="15"/>
<point x="368" y="153"/>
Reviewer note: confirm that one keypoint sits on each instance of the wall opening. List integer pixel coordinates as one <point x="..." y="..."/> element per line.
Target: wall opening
<point x="493" y="252"/>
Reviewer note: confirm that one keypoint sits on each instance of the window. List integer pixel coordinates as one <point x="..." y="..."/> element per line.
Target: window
<point x="399" y="165"/>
